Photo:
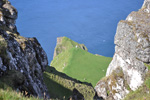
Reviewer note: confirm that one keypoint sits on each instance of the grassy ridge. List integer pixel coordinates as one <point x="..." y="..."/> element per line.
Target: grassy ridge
<point x="68" y="43"/>
<point x="60" y="61"/>
<point x="82" y="65"/>
<point x="61" y="86"/>
<point x="64" y="43"/>
<point x="55" y="89"/>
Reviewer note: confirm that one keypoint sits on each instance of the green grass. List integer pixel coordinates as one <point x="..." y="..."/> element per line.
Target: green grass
<point x="65" y="44"/>
<point x="139" y="94"/>
<point x="55" y="89"/>
<point x="13" y="95"/>
<point x="147" y="82"/>
<point x="60" y="85"/>
<point x="60" y="61"/>
<point x="82" y="65"/>
<point x="7" y="92"/>
<point x="9" y="83"/>
<point x="147" y="65"/>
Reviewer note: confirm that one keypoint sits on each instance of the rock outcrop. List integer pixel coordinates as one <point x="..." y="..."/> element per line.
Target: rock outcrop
<point x="64" y="43"/>
<point x="132" y="52"/>
<point x="21" y="54"/>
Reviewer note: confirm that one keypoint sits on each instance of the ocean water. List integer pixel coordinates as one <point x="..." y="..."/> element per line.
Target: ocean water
<point x="91" y="22"/>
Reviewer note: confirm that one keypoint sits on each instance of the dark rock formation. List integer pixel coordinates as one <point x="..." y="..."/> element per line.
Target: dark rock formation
<point x="13" y="79"/>
<point x="76" y="95"/>
<point x="131" y="52"/>
<point x="21" y="54"/>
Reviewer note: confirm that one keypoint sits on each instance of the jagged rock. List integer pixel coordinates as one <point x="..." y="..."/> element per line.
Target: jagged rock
<point x="2" y="67"/>
<point x="110" y="87"/>
<point x="101" y="89"/>
<point x="132" y="50"/>
<point x="21" y="54"/>
<point x="8" y="15"/>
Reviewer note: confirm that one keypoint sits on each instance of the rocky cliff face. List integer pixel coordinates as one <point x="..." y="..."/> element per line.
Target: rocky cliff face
<point x="21" y="54"/>
<point x="132" y="52"/>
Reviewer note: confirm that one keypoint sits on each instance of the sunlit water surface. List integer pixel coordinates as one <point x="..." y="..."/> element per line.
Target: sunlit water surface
<point x="91" y="22"/>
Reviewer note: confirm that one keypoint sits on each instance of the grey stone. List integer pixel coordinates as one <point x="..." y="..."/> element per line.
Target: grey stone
<point x="132" y="50"/>
<point x="22" y="54"/>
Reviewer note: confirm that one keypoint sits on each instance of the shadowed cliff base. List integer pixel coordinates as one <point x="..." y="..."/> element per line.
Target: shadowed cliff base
<point x="56" y="90"/>
<point x="67" y="83"/>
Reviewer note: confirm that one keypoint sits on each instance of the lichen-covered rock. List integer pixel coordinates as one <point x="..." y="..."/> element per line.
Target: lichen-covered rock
<point x="132" y="50"/>
<point x="101" y="89"/>
<point x="114" y="86"/>
<point x="21" y="54"/>
<point x="8" y="15"/>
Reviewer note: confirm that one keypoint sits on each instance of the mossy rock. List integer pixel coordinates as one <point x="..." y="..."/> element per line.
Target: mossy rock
<point x="147" y="65"/>
<point x="142" y="93"/>
<point x="13" y="79"/>
<point x="3" y="47"/>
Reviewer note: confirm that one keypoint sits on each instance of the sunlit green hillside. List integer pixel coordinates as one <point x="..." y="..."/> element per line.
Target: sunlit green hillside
<point x="80" y="64"/>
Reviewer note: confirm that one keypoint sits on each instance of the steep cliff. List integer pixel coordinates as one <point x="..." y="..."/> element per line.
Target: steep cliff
<point x="75" y="61"/>
<point x="21" y="55"/>
<point x="127" y="71"/>
<point x="64" y="43"/>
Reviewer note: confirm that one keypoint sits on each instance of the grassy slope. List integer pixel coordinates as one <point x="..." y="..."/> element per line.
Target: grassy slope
<point x="60" y="61"/>
<point x="55" y="89"/>
<point x="82" y="65"/>
<point x="66" y="44"/>
<point x="60" y="85"/>
<point x="7" y="93"/>
<point x="13" y="95"/>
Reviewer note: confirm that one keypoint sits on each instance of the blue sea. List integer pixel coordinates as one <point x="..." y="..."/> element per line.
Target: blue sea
<point x="91" y="22"/>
